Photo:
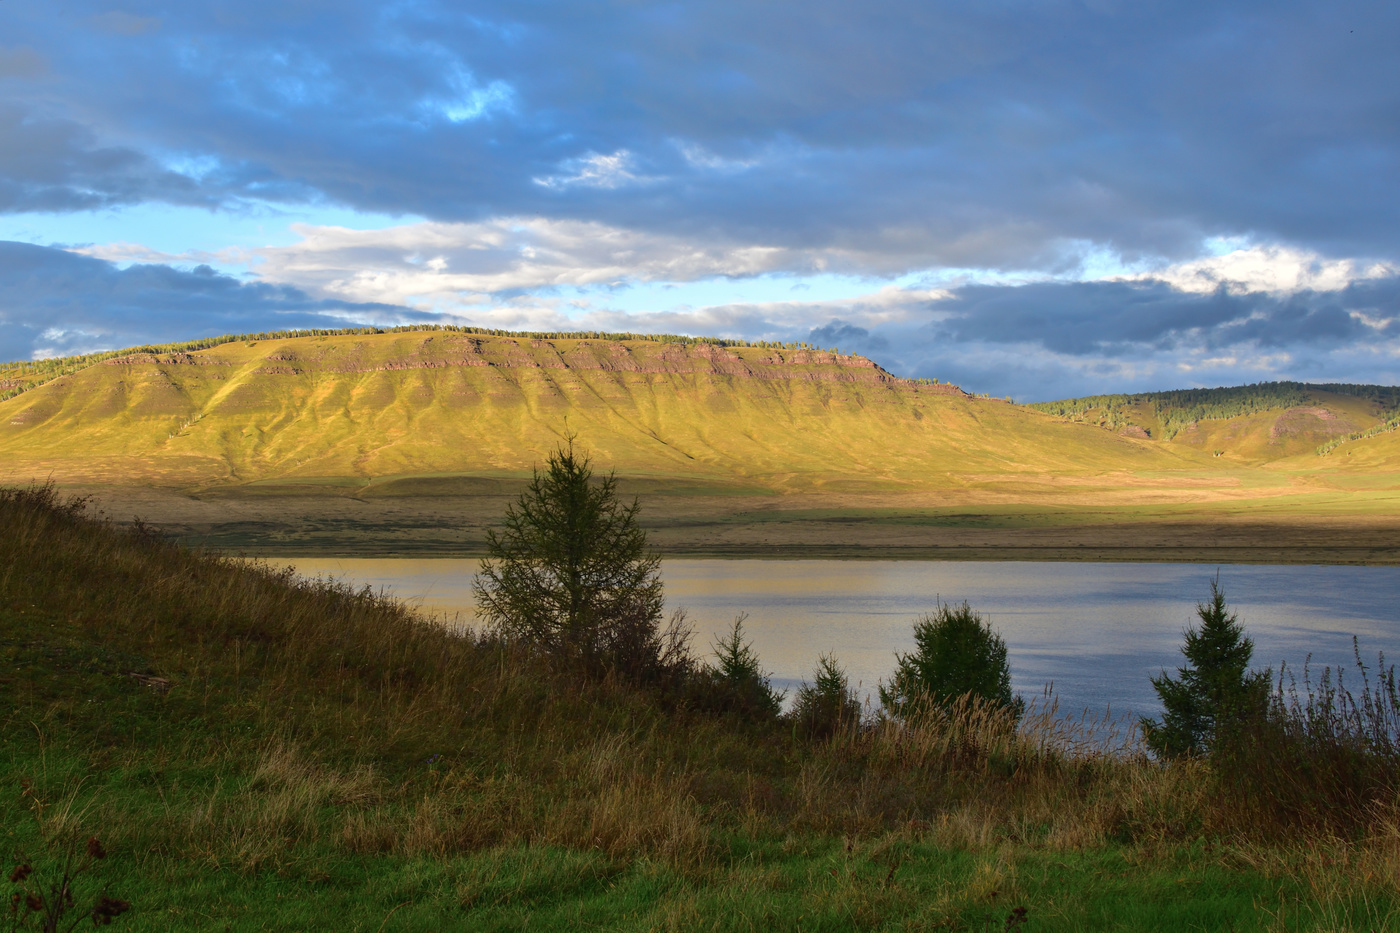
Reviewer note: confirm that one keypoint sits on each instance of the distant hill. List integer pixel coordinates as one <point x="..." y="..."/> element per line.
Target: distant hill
<point x="1260" y="422"/>
<point x="356" y="407"/>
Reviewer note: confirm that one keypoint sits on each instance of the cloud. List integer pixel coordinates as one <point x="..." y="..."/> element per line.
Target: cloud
<point x="1277" y="270"/>
<point x="595" y="171"/>
<point x="51" y="164"/>
<point x="1034" y="341"/>
<point x="54" y="302"/>
<point x="1138" y="194"/>
<point x="121" y="23"/>
<point x="909" y="134"/>
<point x="840" y="334"/>
<point x="447" y="265"/>
<point x="21" y="63"/>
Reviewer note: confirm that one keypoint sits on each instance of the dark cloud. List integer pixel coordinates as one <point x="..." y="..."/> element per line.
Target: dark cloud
<point x="995" y="134"/>
<point x="847" y="337"/>
<point x="1053" y="340"/>
<point x="58" y="165"/>
<point x="55" y="301"/>
<point x="1080" y="318"/>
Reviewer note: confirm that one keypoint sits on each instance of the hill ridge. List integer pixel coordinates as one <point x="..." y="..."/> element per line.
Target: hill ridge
<point x="437" y="400"/>
<point x="19" y="376"/>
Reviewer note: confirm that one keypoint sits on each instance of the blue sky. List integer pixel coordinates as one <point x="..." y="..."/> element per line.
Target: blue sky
<point x="1033" y="198"/>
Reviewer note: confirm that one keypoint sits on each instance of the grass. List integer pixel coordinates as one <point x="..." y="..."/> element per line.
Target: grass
<point x="257" y="751"/>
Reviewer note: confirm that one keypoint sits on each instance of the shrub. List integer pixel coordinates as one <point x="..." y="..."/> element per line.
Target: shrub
<point x="1215" y="693"/>
<point x="569" y="576"/>
<point x="957" y="654"/>
<point x="828" y="704"/>
<point x="737" y="682"/>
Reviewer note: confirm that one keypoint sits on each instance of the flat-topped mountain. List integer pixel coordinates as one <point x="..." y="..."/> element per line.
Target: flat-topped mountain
<point x="370" y="406"/>
<point x="414" y="441"/>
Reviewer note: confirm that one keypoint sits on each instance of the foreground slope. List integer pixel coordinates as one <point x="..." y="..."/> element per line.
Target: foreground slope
<point x="257" y="752"/>
<point x="375" y="406"/>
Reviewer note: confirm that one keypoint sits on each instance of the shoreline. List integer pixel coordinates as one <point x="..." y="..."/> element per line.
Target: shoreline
<point x="1359" y="556"/>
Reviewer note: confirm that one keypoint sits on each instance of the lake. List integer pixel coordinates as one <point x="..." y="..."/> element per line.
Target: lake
<point x="1097" y="631"/>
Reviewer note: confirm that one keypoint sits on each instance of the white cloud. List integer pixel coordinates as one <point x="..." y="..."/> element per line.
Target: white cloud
<point x="442" y="264"/>
<point x="470" y="101"/>
<point x="592" y="170"/>
<point x="1276" y="270"/>
<point x="700" y="157"/>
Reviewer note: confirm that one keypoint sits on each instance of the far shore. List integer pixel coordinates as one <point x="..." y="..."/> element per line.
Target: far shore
<point x="827" y="527"/>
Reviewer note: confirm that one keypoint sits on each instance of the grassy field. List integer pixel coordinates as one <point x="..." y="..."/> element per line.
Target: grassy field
<point x="1329" y="526"/>
<point x="258" y="752"/>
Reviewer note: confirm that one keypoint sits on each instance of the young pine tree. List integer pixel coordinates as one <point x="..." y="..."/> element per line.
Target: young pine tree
<point x="738" y="681"/>
<point x="956" y="653"/>
<point x="828" y="704"/>
<point x="1215" y="692"/>
<point x="570" y="576"/>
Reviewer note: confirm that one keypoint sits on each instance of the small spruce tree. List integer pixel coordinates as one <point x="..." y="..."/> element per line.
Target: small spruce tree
<point x="569" y="576"/>
<point x="957" y="653"/>
<point x="828" y="704"/>
<point x="1214" y="692"/>
<point x="739" y="677"/>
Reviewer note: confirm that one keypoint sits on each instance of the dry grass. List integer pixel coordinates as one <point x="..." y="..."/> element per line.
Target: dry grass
<point x="324" y="720"/>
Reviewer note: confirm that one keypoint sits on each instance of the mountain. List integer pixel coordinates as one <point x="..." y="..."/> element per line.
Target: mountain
<point x="1256" y="423"/>
<point x="414" y="440"/>
<point x="371" y="407"/>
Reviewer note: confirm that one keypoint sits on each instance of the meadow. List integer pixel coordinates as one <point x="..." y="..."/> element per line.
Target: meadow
<point x="252" y="749"/>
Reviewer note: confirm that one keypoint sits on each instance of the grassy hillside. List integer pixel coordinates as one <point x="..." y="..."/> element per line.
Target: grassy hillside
<point x="412" y="440"/>
<point x="1257" y="423"/>
<point x="257" y="752"/>
<point x="358" y="408"/>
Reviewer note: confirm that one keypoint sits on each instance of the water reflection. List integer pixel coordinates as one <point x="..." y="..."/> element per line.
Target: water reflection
<point x="1098" y="631"/>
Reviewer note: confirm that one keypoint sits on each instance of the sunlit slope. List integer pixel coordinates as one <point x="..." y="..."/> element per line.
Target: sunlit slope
<point x="1274" y="425"/>
<point x="1278" y="434"/>
<point x="425" y="403"/>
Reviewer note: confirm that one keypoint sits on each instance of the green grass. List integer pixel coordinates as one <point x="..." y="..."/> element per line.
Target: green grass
<point x="324" y="760"/>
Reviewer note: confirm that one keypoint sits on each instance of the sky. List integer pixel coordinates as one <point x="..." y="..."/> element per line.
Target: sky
<point x="1032" y="199"/>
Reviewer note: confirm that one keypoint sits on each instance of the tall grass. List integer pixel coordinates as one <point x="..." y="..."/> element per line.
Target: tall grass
<point x="305" y="716"/>
<point x="1321" y="759"/>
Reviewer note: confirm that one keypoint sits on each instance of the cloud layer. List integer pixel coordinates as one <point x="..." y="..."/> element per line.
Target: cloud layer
<point x="1042" y="196"/>
<point x="54" y="302"/>
<point x="1033" y="341"/>
<point x="920" y="134"/>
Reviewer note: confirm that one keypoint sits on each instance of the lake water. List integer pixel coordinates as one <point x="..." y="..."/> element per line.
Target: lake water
<point x="1097" y="631"/>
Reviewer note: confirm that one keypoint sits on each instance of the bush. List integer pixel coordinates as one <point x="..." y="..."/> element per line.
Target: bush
<point x="737" y="682"/>
<point x="1214" y="694"/>
<point x="958" y="654"/>
<point x="828" y="704"/>
<point x="569" y="577"/>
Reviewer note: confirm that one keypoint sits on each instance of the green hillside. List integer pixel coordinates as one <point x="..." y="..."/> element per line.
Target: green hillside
<point x="1264" y="421"/>
<point x="251" y="751"/>
<point x="413" y="440"/>
<point x="365" y="407"/>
